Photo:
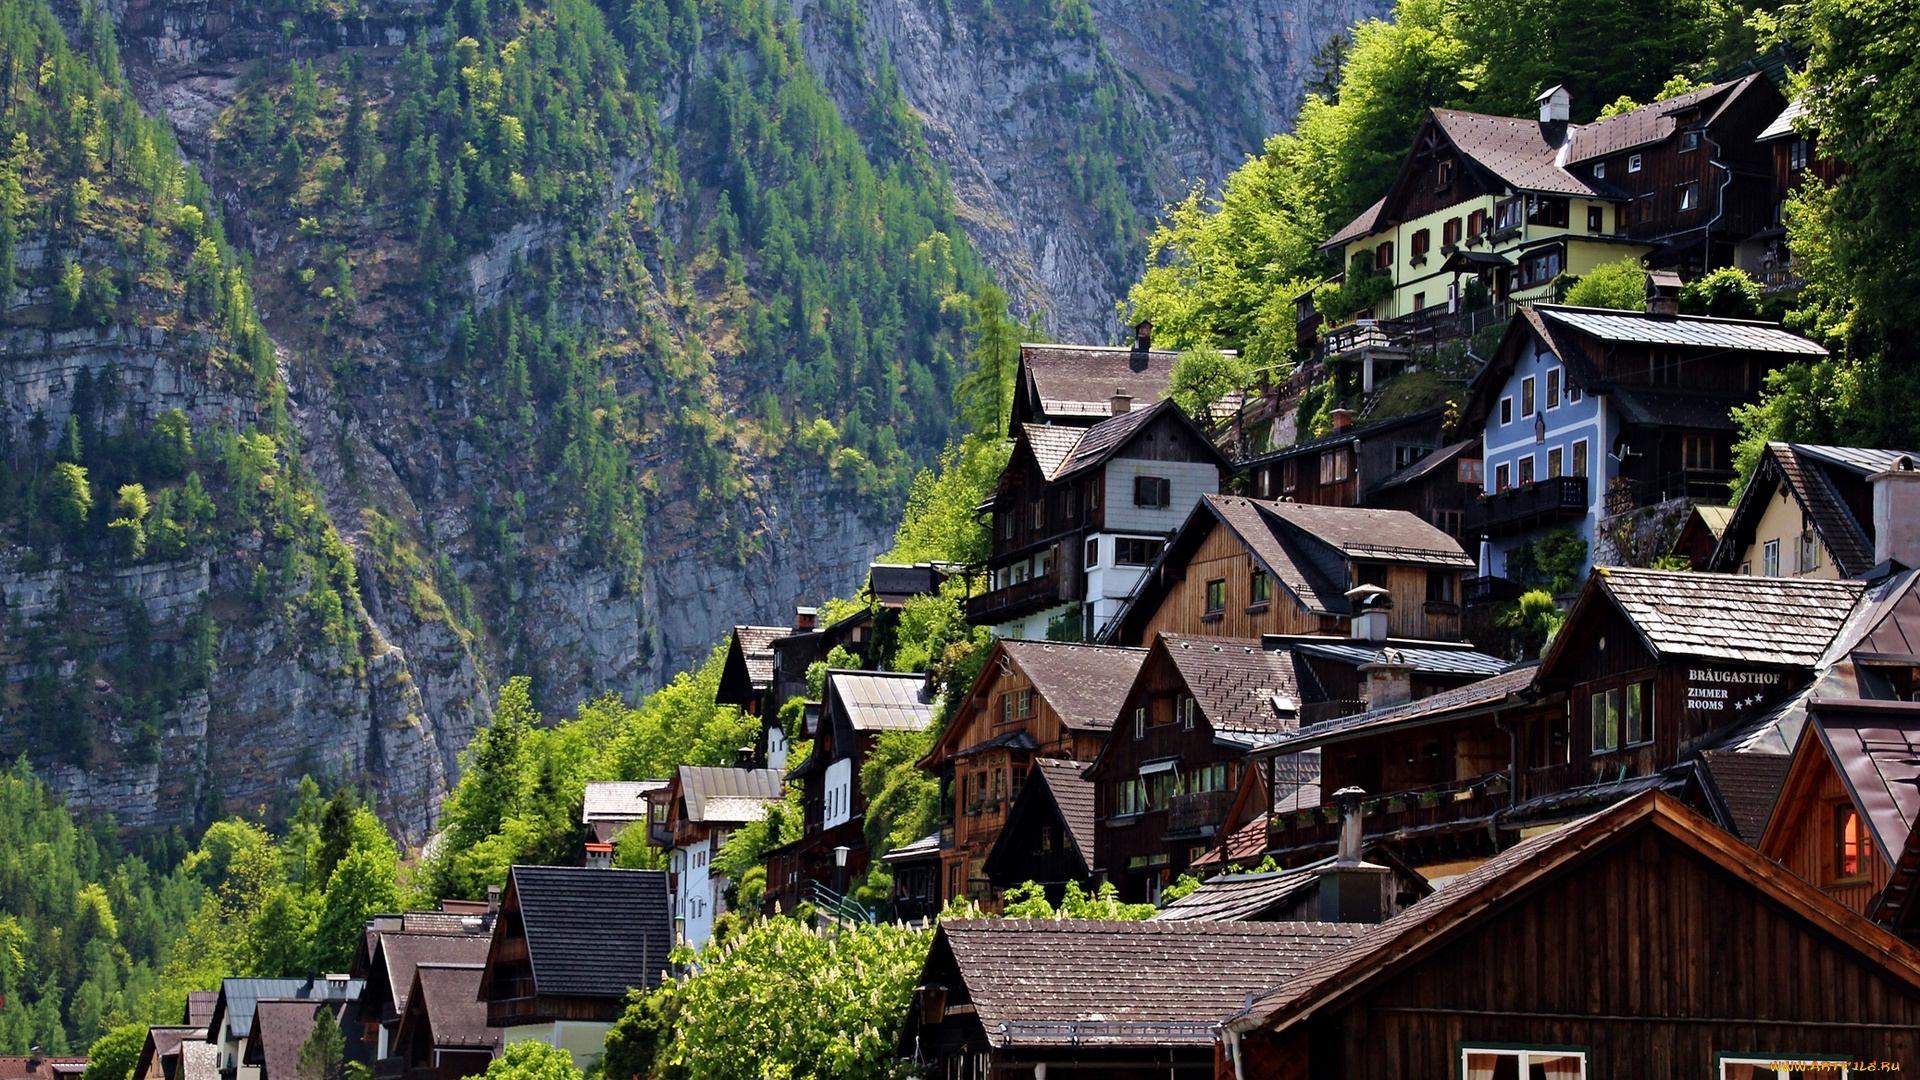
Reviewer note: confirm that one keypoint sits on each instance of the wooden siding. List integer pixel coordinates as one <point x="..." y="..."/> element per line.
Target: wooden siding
<point x="1650" y="956"/>
<point x="1802" y="838"/>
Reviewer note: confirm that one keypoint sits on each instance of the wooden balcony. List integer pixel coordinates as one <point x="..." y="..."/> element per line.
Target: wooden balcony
<point x="1197" y="814"/>
<point x="1400" y="815"/>
<point x="1016" y="601"/>
<point x="1528" y="507"/>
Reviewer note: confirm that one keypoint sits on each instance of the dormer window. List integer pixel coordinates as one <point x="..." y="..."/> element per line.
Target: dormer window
<point x="1633" y="163"/>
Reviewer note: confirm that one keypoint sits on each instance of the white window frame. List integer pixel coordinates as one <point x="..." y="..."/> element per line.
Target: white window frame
<point x="1552" y="381"/>
<point x="1721" y="1061"/>
<point x="1633" y="163"/>
<point x="1529" y="397"/>
<point x="1770" y="559"/>
<point x="1526" y="1054"/>
<point x="1599" y="170"/>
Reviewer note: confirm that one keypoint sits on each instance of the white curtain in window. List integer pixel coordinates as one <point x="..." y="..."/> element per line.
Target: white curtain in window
<point x="1480" y="1066"/>
<point x="1560" y="1068"/>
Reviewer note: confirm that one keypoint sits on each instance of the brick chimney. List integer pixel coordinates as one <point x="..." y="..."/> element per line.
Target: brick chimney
<point x="805" y="618"/>
<point x="1663" y="292"/>
<point x="1389" y="679"/>
<point x="1122" y="401"/>
<point x="1896" y="514"/>
<point x="1342" y="419"/>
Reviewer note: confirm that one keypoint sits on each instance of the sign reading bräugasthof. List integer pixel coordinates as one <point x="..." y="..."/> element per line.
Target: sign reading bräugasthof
<point x="1716" y="690"/>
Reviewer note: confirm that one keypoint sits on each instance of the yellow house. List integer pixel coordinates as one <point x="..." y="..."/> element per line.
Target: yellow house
<point x="1491" y="198"/>
<point x="1822" y="512"/>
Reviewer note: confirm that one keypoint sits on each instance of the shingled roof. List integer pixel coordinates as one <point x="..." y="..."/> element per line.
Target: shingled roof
<point x="1052" y="444"/>
<point x="1517" y="151"/>
<point x="1091" y="982"/>
<point x="1084" y="685"/>
<point x="281" y="1026"/>
<point x="1489" y="693"/>
<point x="399" y="954"/>
<point x="589" y="932"/>
<point x="756" y="648"/>
<point x="1235" y="683"/>
<point x="1241" y="897"/>
<point x="1077" y="382"/>
<point x="1074" y="796"/>
<point x="1684" y="331"/>
<point x="701" y="786"/>
<point x="617" y="800"/>
<point x="1742" y="788"/>
<point x="1648" y="124"/>
<point x="451" y="1008"/>
<point x="233" y="1009"/>
<point x="1734" y="618"/>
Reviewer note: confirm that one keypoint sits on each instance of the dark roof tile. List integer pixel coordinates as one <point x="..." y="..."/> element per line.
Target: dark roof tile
<point x="593" y="933"/>
<point x="1078" y="381"/>
<point x="1085" y="685"/>
<point x="1074" y="796"/>
<point x="1736" y="618"/>
<point x="1745" y="787"/>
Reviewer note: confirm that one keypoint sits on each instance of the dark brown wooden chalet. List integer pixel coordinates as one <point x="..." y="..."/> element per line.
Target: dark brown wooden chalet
<point x="1170" y="766"/>
<point x="443" y="1033"/>
<point x="746" y="676"/>
<point x="1641" y="941"/>
<point x="1809" y="511"/>
<point x="1796" y="158"/>
<point x="860" y="706"/>
<point x="568" y="945"/>
<point x="1126" y="1000"/>
<point x="1437" y="489"/>
<point x="281" y="1026"/>
<point x="1031" y="700"/>
<point x="1050" y="836"/>
<point x="1079" y="512"/>
<point x="1074" y="385"/>
<point x="1243" y="567"/>
<point x="388" y="957"/>
<point x="1344" y="468"/>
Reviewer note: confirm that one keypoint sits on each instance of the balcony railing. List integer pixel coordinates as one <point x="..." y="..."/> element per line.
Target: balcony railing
<point x="1197" y="812"/>
<point x="1016" y="601"/>
<point x="1417" y="810"/>
<point x="1528" y="507"/>
<point x="1427" y="326"/>
<point x="1625" y="494"/>
<point x="1315" y="712"/>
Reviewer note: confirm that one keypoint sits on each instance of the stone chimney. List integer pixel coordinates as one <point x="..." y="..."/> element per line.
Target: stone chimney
<point x="1352" y="890"/>
<point x="1663" y="292"/>
<point x="599" y="856"/>
<point x="1389" y="679"/>
<point x="493" y="899"/>
<point x="1896" y="514"/>
<point x="1371" y="605"/>
<point x="804" y="618"/>
<point x="1122" y="401"/>
<point x="1342" y="419"/>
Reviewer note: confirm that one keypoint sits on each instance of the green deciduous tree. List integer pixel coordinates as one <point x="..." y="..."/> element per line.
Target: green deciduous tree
<point x="1202" y="376"/>
<point x="113" y="1055"/>
<point x="1621" y="284"/>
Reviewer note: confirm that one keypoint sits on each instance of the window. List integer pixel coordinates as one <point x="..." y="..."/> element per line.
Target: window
<point x="1639" y="710"/>
<point x="1689" y="140"/>
<point x="1697" y="451"/>
<point x="1152" y="491"/>
<point x="1526" y="396"/>
<point x="1664" y="367"/>
<point x="1852" y="845"/>
<point x="1809" y="551"/>
<point x="1450" y="232"/>
<point x="1093" y="552"/>
<point x="1140" y="722"/>
<point x="1476" y="223"/>
<point x="1370" y="574"/>
<point x="1383" y="256"/>
<point x="1764" y="1066"/>
<point x="1501" y="478"/>
<point x="1336" y="466"/>
<point x="1506" y="410"/>
<point x="1690" y="196"/>
<point x="1579" y="458"/>
<point x="1036" y="514"/>
<point x="1439" y="587"/>
<point x="1422" y="240"/>
<point x="1574" y="392"/>
<point x="1093" y="495"/>
<point x="1472" y="471"/>
<point x="1405" y="454"/>
<point x="1451" y="522"/>
<point x="1645" y="203"/>
<point x="1526" y="470"/>
<point x="1540" y="267"/>
<point x="1599" y="170"/>
<point x="1515" y="1063"/>
<point x="1444" y="172"/>
<point x="1216" y="596"/>
<point x="1620" y="217"/>
<point x="1596" y="219"/>
<point x="1006" y="708"/>
<point x="1132" y="551"/>
<point x="1633" y="163"/>
<point x="1770" y="558"/>
<point x="1006" y="526"/>
<point x="1266" y="484"/>
<point x="1797" y="154"/>
<point x="1289" y="475"/>
<point x="1553" y="389"/>
<point x="1260" y="587"/>
<point x="1130" y="798"/>
<point x="1025" y="697"/>
<point x="1508" y="214"/>
<point x="1162" y="789"/>
<point x="1419" y="298"/>
<point x="1606" y="720"/>
<point x="1548" y="210"/>
<point x="1187" y="712"/>
<point x="1556" y="462"/>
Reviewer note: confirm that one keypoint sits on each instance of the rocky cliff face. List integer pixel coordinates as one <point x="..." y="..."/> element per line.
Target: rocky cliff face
<point x="1021" y="104"/>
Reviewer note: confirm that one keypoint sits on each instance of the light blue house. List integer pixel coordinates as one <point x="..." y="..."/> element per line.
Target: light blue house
<point x="1591" y="413"/>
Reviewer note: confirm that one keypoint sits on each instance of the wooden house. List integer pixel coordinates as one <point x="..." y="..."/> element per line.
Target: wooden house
<point x="608" y="807"/>
<point x="1125" y="1000"/>
<point x="746" y="676"/>
<point x="1050" y="836"/>
<point x="1344" y="468"/>
<point x="230" y="1024"/>
<point x="443" y="1035"/>
<point x="703" y="805"/>
<point x="281" y="1026"/>
<point x="832" y="852"/>
<point x="1437" y="489"/>
<point x="1586" y="414"/>
<point x="568" y="946"/>
<point x="1822" y="511"/>
<point x="1704" y="527"/>
<point x="1075" y="385"/>
<point x="1031" y="700"/>
<point x="1242" y="567"/>
<point x="1794" y="147"/>
<point x="1079" y="513"/>
<point x="1640" y="941"/>
<point x="1171" y="764"/>
<point x="391" y="955"/>
<point x="177" y="1052"/>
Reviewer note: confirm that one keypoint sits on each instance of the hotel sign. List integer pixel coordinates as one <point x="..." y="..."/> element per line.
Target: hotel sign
<point x="1716" y="690"/>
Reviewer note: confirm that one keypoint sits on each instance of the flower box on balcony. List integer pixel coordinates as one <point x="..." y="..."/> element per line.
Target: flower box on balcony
<point x="1396" y="806"/>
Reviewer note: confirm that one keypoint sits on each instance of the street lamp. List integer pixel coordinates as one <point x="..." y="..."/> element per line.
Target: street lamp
<point x="840" y="868"/>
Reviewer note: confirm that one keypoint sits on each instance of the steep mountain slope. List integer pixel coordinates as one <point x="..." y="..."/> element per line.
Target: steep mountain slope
<point x="1066" y="126"/>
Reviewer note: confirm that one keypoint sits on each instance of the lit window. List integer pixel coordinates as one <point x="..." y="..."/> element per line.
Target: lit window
<point x="1216" y="596"/>
<point x="1519" y="1063"/>
<point x="1852" y="846"/>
